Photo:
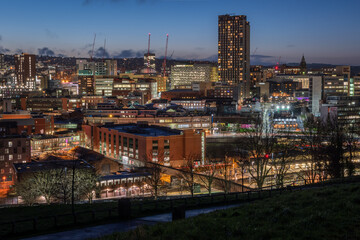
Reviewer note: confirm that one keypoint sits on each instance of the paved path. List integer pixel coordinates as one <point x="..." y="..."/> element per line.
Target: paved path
<point x="97" y="231"/>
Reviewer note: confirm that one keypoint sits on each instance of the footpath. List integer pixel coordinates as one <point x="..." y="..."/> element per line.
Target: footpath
<point x="106" y="229"/>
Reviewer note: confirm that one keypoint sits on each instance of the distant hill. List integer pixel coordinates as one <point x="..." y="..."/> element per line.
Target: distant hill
<point x="138" y="63"/>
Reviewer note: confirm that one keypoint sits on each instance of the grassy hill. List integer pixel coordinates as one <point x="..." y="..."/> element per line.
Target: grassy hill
<point x="320" y="213"/>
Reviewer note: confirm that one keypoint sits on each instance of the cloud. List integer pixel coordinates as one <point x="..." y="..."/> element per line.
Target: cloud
<point x="85" y="48"/>
<point x="100" y="52"/>
<point x="4" y="50"/>
<point x="45" y="51"/>
<point x="18" y="51"/>
<point x="129" y="53"/>
<point x="212" y="58"/>
<point x="50" y="33"/>
<point x="258" y="59"/>
<point x="261" y="56"/>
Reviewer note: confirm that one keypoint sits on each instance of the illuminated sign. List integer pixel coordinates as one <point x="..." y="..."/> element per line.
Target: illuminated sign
<point x="125" y="159"/>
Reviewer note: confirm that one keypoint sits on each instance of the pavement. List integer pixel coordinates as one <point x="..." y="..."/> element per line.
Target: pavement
<point x="100" y="230"/>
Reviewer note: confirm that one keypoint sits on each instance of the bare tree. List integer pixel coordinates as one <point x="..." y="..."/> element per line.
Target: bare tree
<point x="242" y="161"/>
<point x="312" y="151"/>
<point x="260" y="143"/>
<point x="351" y="149"/>
<point x="27" y="189"/>
<point x="64" y="186"/>
<point x="225" y="174"/>
<point x="334" y="161"/>
<point x="86" y="187"/>
<point x="153" y="164"/>
<point x="187" y="174"/>
<point x="46" y="183"/>
<point x="281" y="160"/>
<point x="140" y="185"/>
<point x="208" y="175"/>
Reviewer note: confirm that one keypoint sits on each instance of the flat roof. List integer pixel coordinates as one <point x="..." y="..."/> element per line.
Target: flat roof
<point x="48" y="165"/>
<point x="123" y="175"/>
<point x="144" y="129"/>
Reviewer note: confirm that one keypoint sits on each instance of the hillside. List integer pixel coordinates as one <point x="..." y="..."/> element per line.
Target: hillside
<point x="329" y="213"/>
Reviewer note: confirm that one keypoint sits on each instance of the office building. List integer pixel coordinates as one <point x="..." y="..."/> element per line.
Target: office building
<point x="234" y="52"/>
<point x="302" y="80"/>
<point x="104" y="85"/>
<point x="354" y="86"/>
<point x="282" y="87"/>
<point x="335" y="85"/>
<point x="146" y="87"/>
<point x="107" y="67"/>
<point x="25" y="70"/>
<point x="86" y="84"/>
<point x="134" y="144"/>
<point x="345" y="109"/>
<point x="149" y="61"/>
<point x="315" y="94"/>
<point x="185" y="75"/>
<point x="168" y="118"/>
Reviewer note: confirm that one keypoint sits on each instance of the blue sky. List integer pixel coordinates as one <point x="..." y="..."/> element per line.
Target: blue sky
<point x="326" y="31"/>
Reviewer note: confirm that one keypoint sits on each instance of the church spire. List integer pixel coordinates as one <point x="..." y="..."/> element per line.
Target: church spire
<point x="303" y="65"/>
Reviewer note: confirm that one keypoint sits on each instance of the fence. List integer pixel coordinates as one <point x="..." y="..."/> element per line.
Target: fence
<point x="134" y="208"/>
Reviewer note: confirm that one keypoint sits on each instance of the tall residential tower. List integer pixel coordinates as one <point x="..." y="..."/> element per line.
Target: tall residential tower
<point x="25" y="70"/>
<point x="234" y="52"/>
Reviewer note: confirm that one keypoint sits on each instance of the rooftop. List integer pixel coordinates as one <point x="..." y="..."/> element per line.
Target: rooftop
<point x="144" y="129"/>
<point x="48" y="165"/>
<point x="122" y="175"/>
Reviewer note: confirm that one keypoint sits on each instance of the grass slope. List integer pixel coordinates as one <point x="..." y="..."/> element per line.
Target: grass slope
<point x="329" y="213"/>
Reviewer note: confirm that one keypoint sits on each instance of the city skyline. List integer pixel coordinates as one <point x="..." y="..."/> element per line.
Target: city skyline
<point x="321" y="31"/>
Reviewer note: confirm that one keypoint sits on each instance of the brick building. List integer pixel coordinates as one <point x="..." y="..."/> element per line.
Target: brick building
<point x="13" y="149"/>
<point x="29" y="124"/>
<point x="132" y="144"/>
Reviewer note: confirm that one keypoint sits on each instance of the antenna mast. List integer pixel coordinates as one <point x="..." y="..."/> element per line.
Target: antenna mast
<point x="148" y="54"/>
<point x="104" y="49"/>
<point x="166" y="48"/>
<point x="93" y="46"/>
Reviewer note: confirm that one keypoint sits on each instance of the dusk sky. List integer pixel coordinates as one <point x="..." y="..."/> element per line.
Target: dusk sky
<point x="326" y="31"/>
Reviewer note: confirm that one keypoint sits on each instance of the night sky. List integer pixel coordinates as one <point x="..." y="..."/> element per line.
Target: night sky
<point x="326" y="31"/>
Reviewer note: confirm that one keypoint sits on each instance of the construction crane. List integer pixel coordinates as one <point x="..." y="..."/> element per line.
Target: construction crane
<point x="172" y="54"/>
<point x="148" y="55"/>
<point x="166" y="48"/>
<point x="104" y="49"/>
<point x="93" y="46"/>
<point x="255" y="51"/>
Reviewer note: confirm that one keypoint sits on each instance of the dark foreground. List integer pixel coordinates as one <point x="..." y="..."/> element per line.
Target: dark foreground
<point x="321" y="213"/>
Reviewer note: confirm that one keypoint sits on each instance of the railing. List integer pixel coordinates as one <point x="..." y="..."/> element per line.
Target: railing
<point x="134" y="208"/>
